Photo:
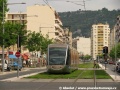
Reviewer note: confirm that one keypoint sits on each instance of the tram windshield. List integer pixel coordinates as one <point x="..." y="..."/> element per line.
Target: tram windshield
<point x="57" y="55"/>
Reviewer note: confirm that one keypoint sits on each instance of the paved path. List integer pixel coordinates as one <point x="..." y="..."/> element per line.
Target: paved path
<point x="111" y="71"/>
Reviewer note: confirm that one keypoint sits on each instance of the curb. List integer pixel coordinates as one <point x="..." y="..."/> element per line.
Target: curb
<point x="20" y="77"/>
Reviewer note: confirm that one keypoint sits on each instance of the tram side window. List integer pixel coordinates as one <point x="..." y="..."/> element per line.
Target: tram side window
<point x="68" y="58"/>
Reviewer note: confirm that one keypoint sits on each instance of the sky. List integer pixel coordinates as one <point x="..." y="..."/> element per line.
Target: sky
<point x="64" y="5"/>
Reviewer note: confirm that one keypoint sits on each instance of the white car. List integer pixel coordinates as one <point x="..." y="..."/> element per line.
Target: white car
<point x="5" y="64"/>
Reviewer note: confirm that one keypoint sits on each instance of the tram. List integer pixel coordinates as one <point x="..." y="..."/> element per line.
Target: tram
<point x="61" y="58"/>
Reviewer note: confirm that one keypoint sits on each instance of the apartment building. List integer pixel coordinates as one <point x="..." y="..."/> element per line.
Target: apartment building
<point x="118" y="29"/>
<point x="83" y="46"/>
<point x="114" y="36"/>
<point x="15" y="17"/>
<point x="46" y="22"/>
<point x="99" y="38"/>
<point x="38" y="18"/>
<point x="112" y="40"/>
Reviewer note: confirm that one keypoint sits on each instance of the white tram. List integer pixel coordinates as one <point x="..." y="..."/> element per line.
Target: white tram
<point x="62" y="58"/>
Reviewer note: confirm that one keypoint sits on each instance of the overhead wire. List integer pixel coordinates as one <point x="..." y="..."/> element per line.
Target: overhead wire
<point x="48" y="5"/>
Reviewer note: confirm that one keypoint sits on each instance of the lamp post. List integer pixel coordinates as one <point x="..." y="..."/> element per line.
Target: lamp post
<point x="4" y="31"/>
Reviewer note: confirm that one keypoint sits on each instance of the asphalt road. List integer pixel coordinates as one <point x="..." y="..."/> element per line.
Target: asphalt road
<point x="58" y="86"/>
<point x="43" y="84"/>
<point x="14" y="74"/>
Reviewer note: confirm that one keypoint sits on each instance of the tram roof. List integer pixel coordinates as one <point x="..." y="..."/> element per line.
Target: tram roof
<point x="58" y="45"/>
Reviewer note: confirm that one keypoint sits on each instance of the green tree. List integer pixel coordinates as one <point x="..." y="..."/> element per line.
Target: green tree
<point x="1" y="9"/>
<point x="45" y="42"/>
<point x="115" y="50"/>
<point x="12" y="31"/>
<point x="36" y="42"/>
<point x="87" y="57"/>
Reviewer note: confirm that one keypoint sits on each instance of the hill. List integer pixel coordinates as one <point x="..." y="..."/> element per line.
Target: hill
<point x="81" y="21"/>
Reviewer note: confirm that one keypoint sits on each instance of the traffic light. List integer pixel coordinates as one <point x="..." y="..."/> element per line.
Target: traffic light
<point x="105" y="49"/>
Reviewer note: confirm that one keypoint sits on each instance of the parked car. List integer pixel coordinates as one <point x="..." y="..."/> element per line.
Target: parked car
<point x="6" y="66"/>
<point x="111" y="62"/>
<point x="118" y="66"/>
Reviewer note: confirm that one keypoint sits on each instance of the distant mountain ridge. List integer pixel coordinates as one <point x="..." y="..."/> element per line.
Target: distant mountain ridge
<point x="82" y="21"/>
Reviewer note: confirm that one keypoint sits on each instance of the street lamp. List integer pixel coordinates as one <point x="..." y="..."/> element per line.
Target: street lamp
<point x="4" y="31"/>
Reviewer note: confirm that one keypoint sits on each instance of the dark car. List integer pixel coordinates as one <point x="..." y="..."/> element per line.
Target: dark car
<point x="118" y="66"/>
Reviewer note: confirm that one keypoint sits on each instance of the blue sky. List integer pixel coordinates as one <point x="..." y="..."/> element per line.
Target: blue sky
<point x="63" y="5"/>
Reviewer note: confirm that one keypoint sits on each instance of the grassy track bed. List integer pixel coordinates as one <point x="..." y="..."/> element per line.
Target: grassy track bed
<point x="86" y="65"/>
<point x="87" y="74"/>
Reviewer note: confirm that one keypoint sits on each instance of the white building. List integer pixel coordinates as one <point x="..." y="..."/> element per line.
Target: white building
<point x="83" y="45"/>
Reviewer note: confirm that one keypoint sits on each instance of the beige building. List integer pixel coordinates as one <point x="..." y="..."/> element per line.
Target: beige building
<point x="99" y="38"/>
<point x="16" y="17"/>
<point x="114" y="37"/>
<point x="112" y="40"/>
<point x="46" y="22"/>
<point x="83" y="46"/>
<point x="39" y="18"/>
<point x="118" y="29"/>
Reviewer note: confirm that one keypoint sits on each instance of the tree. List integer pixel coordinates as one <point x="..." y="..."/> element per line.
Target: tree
<point x="45" y="42"/>
<point x="1" y="9"/>
<point x="12" y="31"/>
<point x="36" y="42"/>
<point x="87" y="57"/>
<point x="115" y="51"/>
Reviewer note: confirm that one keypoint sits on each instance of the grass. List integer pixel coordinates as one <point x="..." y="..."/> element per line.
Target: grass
<point x="87" y="74"/>
<point x="101" y="74"/>
<point x="46" y="75"/>
<point x="86" y="65"/>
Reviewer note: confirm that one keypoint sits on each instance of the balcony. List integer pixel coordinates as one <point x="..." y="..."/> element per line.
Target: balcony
<point x="58" y="27"/>
<point x="58" y="21"/>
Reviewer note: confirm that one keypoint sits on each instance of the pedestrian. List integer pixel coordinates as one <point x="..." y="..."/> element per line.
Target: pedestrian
<point x="95" y="64"/>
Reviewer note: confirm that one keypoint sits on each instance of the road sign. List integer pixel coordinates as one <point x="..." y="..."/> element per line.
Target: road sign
<point x="17" y="54"/>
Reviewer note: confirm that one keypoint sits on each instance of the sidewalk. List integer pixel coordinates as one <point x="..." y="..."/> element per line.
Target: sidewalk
<point x="13" y="71"/>
<point x="115" y="76"/>
<point x="18" y="78"/>
<point x="23" y="69"/>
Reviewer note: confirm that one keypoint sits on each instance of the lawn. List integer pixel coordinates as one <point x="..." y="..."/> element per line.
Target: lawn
<point x="87" y="74"/>
<point x="86" y="65"/>
<point x="101" y="74"/>
<point x="46" y="75"/>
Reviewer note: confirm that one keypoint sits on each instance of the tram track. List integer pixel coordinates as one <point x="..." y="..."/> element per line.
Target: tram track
<point x="95" y="82"/>
<point x="44" y="85"/>
<point x="78" y="77"/>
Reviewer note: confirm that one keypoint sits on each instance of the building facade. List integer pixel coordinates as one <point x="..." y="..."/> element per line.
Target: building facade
<point x="83" y="46"/>
<point x="112" y="40"/>
<point x="117" y="29"/>
<point x="38" y="18"/>
<point x="16" y="17"/>
<point x="47" y="21"/>
<point x="99" y="38"/>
